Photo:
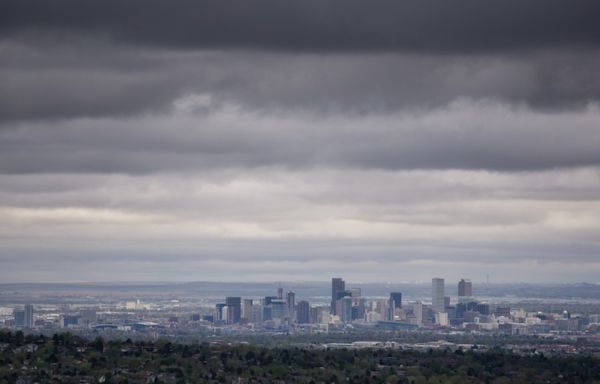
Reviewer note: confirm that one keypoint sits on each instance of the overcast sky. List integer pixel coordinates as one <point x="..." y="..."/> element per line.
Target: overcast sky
<point x="269" y="140"/>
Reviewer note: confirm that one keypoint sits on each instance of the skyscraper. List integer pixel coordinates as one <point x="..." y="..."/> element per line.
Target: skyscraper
<point x="28" y="316"/>
<point x="437" y="295"/>
<point x="247" y="309"/>
<point x="465" y="288"/>
<point x="219" y="312"/>
<point x="395" y="302"/>
<point x="346" y="309"/>
<point x="19" y="316"/>
<point x="303" y="311"/>
<point x="291" y="304"/>
<point x="356" y="293"/>
<point x="235" y="307"/>
<point x="337" y="284"/>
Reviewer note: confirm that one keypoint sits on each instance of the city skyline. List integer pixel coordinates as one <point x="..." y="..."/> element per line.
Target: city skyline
<point x="389" y="141"/>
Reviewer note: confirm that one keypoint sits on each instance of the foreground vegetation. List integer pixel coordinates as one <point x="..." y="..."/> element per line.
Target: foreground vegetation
<point x="65" y="358"/>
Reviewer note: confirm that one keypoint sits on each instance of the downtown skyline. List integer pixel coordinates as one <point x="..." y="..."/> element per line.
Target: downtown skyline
<point x="197" y="142"/>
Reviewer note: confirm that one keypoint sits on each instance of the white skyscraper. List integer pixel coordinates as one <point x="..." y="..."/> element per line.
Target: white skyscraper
<point x="437" y="295"/>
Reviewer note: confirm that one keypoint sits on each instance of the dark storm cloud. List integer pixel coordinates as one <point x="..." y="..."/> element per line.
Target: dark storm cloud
<point x="91" y="77"/>
<point x="318" y="25"/>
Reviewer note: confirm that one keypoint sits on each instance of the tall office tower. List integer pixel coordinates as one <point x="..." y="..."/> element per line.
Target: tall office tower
<point x="278" y="309"/>
<point x="28" y="316"/>
<point x="395" y="302"/>
<point x="337" y="284"/>
<point x="247" y="310"/>
<point x="290" y="299"/>
<point x="362" y="304"/>
<point x="346" y="309"/>
<point x="338" y="300"/>
<point x="219" y="311"/>
<point x="19" y="315"/>
<point x="418" y="312"/>
<point x="257" y="314"/>
<point x="228" y="314"/>
<point x="235" y="308"/>
<point x="356" y="293"/>
<point x="280" y="293"/>
<point x="437" y="295"/>
<point x="381" y="307"/>
<point x="303" y="312"/>
<point x="465" y="288"/>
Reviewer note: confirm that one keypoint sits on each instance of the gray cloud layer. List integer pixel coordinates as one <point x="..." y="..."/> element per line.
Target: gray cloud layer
<point x="464" y="135"/>
<point x="379" y="140"/>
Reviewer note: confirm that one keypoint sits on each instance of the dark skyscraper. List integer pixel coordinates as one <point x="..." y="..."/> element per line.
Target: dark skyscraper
<point x="394" y="303"/>
<point x="303" y="312"/>
<point x="337" y="285"/>
<point x="235" y="304"/>
<point x="465" y="288"/>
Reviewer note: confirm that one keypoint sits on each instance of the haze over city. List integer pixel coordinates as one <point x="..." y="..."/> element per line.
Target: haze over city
<point x="142" y="141"/>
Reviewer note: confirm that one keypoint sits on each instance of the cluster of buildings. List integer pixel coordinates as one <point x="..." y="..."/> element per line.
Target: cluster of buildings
<point x="346" y="307"/>
<point x="349" y="308"/>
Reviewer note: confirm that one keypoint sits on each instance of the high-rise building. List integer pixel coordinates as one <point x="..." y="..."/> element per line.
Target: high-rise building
<point x="228" y="314"/>
<point x="418" y="309"/>
<point x="346" y="309"/>
<point x="28" y="316"/>
<point x="235" y="308"/>
<point x="362" y="303"/>
<point x="280" y="293"/>
<point x="291" y="304"/>
<point x="219" y="312"/>
<point x="337" y="284"/>
<point x="356" y="293"/>
<point x="257" y="314"/>
<point x="465" y="288"/>
<point x="247" y="310"/>
<point x="278" y="309"/>
<point x="19" y="315"/>
<point x="395" y="302"/>
<point x="338" y="300"/>
<point x="303" y="312"/>
<point x="437" y="295"/>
